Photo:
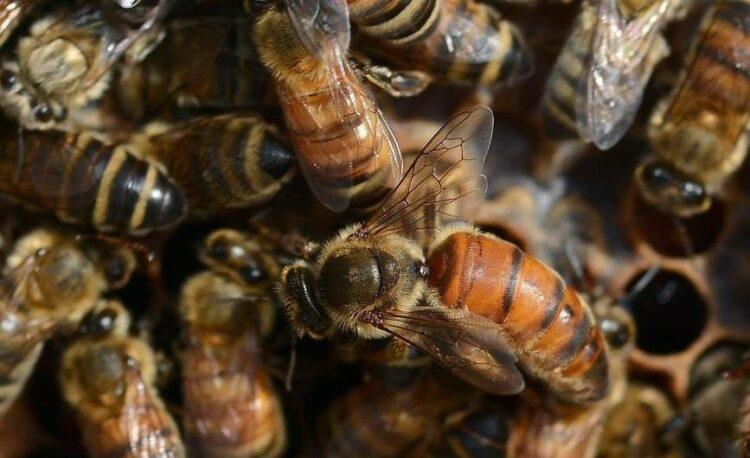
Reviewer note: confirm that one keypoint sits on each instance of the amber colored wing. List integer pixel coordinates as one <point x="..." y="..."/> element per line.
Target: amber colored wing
<point x="718" y="69"/>
<point x="468" y="345"/>
<point x="219" y="390"/>
<point x="444" y="181"/>
<point x="349" y="140"/>
<point x="146" y="426"/>
<point x="622" y="58"/>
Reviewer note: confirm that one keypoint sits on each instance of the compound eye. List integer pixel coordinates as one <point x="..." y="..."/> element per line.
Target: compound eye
<point x="616" y="332"/>
<point x="116" y="268"/>
<point x="7" y="80"/>
<point x="657" y="177"/>
<point x="693" y="193"/>
<point x="219" y="251"/>
<point x="43" y="113"/>
<point x="105" y="321"/>
<point x="253" y="273"/>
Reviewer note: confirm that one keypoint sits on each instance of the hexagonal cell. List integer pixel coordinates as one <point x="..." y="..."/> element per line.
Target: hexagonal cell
<point x="669" y="312"/>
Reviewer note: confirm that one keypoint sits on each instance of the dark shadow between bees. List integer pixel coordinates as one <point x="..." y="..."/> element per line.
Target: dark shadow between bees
<point x="669" y="313"/>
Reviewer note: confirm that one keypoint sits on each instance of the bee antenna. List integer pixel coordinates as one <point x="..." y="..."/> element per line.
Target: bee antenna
<point x="642" y="283"/>
<point x="292" y="364"/>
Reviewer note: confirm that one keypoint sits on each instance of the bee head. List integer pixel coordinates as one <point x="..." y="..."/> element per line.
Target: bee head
<point x="671" y="191"/>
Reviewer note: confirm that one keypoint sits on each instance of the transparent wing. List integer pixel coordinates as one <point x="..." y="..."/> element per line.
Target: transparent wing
<point x="444" y="180"/>
<point x="321" y="25"/>
<point x="470" y="346"/>
<point x="211" y="375"/>
<point x="351" y="142"/>
<point x="61" y="173"/>
<point x="12" y="14"/>
<point x="147" y="428"/>
<point x="18" y="330"/>
<point x="623" y="55"/>
<point x="466" y="42"/>
<point x="711" y="78"/>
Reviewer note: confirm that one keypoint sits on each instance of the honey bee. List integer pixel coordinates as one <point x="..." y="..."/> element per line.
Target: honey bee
<point x="222" y="162"/>
<point x="479" y="431"/>
<point x="231" y="407"/>
<point x="48" y="283"/>
<point x="716" y="416"/>
<point x="474" y="303"/>
<point x="248" y="261"/>
<point x="389" y="415"/>
<point x="84" y="181"/>
<point x="109" y="381"/>
<point x="451" y="40"/>
<point x="596" y="85"/>
<point x="633" y="427"/>
<point x="61" y="65"/>
<point x="199" y="64"/>
<point x="698" y="133"/>
<point x="344" y="146"/>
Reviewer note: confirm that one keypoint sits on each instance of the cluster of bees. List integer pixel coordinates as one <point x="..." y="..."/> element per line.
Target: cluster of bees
<point x="240" y="229"/>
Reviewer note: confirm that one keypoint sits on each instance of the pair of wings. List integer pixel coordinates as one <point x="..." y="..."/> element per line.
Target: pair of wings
<point x="323" y="28"/>
<point x="622" y="55"/>
<point x="144" y="426"/>
<point x="444" y="180"/>
<point x="18" y="330"/>
<point x="233" y="374"/>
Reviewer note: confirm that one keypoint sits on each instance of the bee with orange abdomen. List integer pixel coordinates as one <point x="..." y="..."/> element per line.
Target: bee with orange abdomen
<point x="344" y="146"/>
<point x="451" y="40"/>
<point x="473" y="302"/>
<point x="48" y="283"/>
<point x="221" y="162"/>
<point x="699" y="132"/>
<point x="231" y="406"/>
<point x="109" y="382"/>
<point x="84" y="181"/>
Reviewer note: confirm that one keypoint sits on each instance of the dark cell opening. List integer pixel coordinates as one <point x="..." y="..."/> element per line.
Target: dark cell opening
<point x="669" y="313"/>
<point x="505" y="233"/>
<point x="676" y="237"/>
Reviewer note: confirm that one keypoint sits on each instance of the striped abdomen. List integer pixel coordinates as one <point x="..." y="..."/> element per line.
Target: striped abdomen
<point x="702" y="129"/>
<point x="230" y="411"/>
<point x="344" y="146"/>
<point x="552" y="330"/>
<point x="146" y="430"/>
<point x="565" y="83"/>
<point x="454" y="40"/>
<point x="201" y="64"/>
<point x="84" y="181"/>
<point x="225" y="161"/>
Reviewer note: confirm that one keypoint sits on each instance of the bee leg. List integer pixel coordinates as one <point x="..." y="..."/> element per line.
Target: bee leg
<point x="397" y="83"/>
<point x="301" y="305"/>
